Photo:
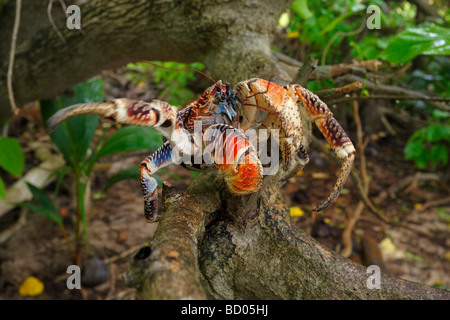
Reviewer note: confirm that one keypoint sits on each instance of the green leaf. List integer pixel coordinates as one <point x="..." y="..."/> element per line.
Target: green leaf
<point x="2" y="189"/>
<point x="300" y="7"/>
<point x="130" y="139"/>
<point x="332" y="25"/>
<point x="50" y="214"/>
<point x="414" y="41"/>
<point x="125" y="174"/>
<point x="412" y="256"/>
<point x="439" y="153"/>
<point x="74" y="136"/>
<point x="44" y="205"/>
<point x="41" y="197"/>
<point x="436" y="132"/>
<point x="11" y="156"/>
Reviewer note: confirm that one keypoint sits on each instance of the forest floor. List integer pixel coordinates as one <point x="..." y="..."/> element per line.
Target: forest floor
<point x="117" y="228"/>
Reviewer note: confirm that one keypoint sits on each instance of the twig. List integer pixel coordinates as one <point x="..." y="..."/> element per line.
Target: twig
<point x="434" y="203"/>
<point x="390" y="97"/>
<point x="353" y="217"/>
<point x="305" y="72"/>
<point x="342" y="34"/>
<point x="50" y="18"/>
<point x="12" y="101"/>
<point x="339" y="92"/>
<point x="8" y="233"/>
<point x="324" y="72"/>
<point x="370" y="85"/>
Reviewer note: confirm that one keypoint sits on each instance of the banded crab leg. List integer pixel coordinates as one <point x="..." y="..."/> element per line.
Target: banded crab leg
<point x="340" y="143"/>
<point x="235" y="157"/>
<point x="162" y="157"/>
<point x="157" y="114"/>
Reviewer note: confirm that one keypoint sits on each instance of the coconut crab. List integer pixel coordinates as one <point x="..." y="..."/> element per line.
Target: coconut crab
<point x="224" y="116"/>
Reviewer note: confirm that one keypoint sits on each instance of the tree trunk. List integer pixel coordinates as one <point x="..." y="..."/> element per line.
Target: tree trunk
<point x="210" y="244"/>
<point x="219" y="33"/>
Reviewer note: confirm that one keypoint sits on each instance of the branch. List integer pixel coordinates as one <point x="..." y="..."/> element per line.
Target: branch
<point x="391" y="97"/>
<point x="203" y="249"/>
<point x="393" y="90"/>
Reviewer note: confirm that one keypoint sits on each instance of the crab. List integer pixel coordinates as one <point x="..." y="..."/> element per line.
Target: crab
<point x="224" y="117"/>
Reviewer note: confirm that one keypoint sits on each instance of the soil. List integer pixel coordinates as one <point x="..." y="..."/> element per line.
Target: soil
<point x="117" y="228"/>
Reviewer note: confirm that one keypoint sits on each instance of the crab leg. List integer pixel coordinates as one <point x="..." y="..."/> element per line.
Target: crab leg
<point x="235" y="157"/>
<point x="341" y="144"/>
<point x="162" y="157"/>
<point x="158" y="114"/>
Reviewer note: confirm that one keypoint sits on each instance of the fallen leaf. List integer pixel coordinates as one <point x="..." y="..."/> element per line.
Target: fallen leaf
<point x="388" y="249"/>
<point x="320" y="175"/>
<point x="296" y="212"/>
<point x="447" y="256"/>
<point x="31" y="287"/>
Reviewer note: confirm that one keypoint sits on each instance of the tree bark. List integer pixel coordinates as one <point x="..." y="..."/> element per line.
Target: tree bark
<point x="210" y="244"/>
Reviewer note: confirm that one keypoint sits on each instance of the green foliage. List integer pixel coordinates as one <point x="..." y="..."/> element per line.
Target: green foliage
<point x="173" y="81"/>
<point x="130" y="139"/>
<point x="414" y="41"/>
<point x="12" y="159"/>
<point x="73" y="138"/>
<point x="333" y="33"/>
<point x="432" y="143"/>
<point x="322" y="24"/>
<point x="42" y="205"/>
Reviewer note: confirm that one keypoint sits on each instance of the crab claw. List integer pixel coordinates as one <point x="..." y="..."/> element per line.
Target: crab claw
<point x="344" y="172"/>
<point x="334" y="134"/>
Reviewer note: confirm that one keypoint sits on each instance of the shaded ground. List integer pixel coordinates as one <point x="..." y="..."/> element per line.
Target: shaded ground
<point x="117" y="228"/>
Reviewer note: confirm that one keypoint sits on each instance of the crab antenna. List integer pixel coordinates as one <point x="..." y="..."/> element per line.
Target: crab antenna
<point x="182" y="69"/>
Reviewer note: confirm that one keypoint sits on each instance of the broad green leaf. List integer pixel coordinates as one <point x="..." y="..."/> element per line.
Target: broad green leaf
<point x="125" y="174"/>
<point x="11" y="156"/>
<point x="436" y="132"/>
<point x="51" y="214"/>
<point x="427" y="40"/>
<point x="130" y="139"/>
<point x="2" y="189"/>
<point x="74" y="136"/>
<point x="439" y="153"/>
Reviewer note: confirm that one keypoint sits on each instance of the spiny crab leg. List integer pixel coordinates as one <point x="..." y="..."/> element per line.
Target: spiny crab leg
<point x="341" y="144"/>
<point x="157" y="114"/>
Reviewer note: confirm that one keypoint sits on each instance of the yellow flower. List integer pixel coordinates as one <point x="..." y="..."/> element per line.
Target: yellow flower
<point x="326" y="220"/>
<point x="31" y="286"/>
<point x="417" y="206"/>
<point x="296" y="212"/>
<point x="300" y="173"/>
